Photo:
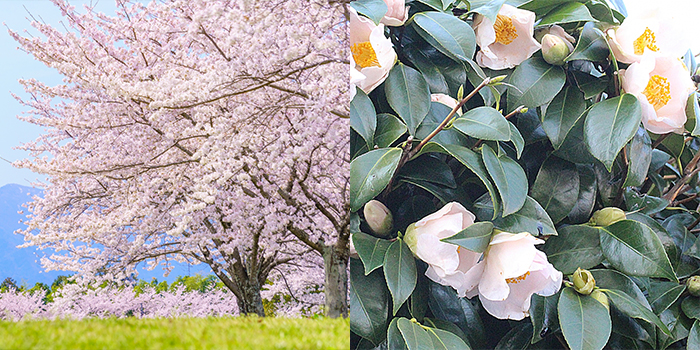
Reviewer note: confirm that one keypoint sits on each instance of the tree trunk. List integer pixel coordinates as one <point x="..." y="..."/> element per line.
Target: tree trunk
<point x="335" y="261"/>
<point x="251" y="302"/>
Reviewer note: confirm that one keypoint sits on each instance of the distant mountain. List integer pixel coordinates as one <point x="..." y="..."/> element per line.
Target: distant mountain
<point x="22" y="264"/>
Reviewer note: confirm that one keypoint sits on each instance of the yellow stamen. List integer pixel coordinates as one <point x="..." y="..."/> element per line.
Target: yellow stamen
<point x="505" y="30"/>
<point x="658" y="91"/>
<point x="645" y="41"/>
<point x="516" y="280"/>
<point x="364" y="55"/>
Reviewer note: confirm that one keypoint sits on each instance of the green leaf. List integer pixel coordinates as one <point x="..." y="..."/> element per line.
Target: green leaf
<point x="591" y="46"/>
<point x="444" y="340"/>
<point x="573" y="148"/>
<point x="692" y="110"/>
<point x="634" y="249"/>
<point x="408" y="94"/>
<point x="476" y="75"/>
<point x="484" y="123"/>
<point x="590" y="85"/>
<point x="556" y="187"/>
<point x="587" y="188"/>
<point x="450" y="35"/>
<point x="445" y="305"/>
<point x="476" y="237"/>
<point x="639" y="155"/>
<point x="536" y="82"/>
<point x="373" y="9"/>
<point x="530" y="218"/>
<point x="544" y="316"/>
<point x="436" y="115"/>
<point x="562" y="113"/>
<point x="370" y="249"/>
<point x="399" y="272"/>
<point x="363" y="117"/>
<point x="431" y="169"/>
<point x="389" y="129"/>
<point x="517" y="140"/>
<point x="369" y="303"/>
<point x="435" y="4"/>
<point x="646" y="204"/>
<point x="415" y="336"/>
<point x="370" y="173"/>
<point x="584" y="321"/>
<point x="394" y="339"/>
<point x="517" y="337"/>
<point x="489" y="9"/>
<point x="632" y="308"/>
<point x="662" y="294"/>
<point x="694" y="336"/>
<point x="691" y="307"/>
<point x="509" y="178"/>
<point x="610" y="125"/>
<point x="575" y="246"/>
<point x="567" y="13"/>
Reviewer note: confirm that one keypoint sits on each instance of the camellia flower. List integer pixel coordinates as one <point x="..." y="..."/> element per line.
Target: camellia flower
<point x="662" y="86"/>
<point x="446" y="100"/>
<point x="647" y="34"/>
<point x="508" y="41"/>
<point x="372" y="52"/>
<point x="447" y="263"/>
<point x="511" y="270"/>
<point x="397" y="13"/>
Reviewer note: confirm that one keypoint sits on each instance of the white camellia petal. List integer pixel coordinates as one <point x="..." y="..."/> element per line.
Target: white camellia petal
<point x="379" y="56"/>
<point x="397" y="13"/>
<point x="662" y="80"/>
<point x="512" y="49"/>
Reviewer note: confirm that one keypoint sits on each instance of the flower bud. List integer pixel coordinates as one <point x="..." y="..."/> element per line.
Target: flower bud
<point x="693" y="284"/>
<point x="607" y="216"/>
<point x="583" y="281"/>
<point x="379" y="218"/>
<point x="554" y="49"/>
<point x="601" y="297"/>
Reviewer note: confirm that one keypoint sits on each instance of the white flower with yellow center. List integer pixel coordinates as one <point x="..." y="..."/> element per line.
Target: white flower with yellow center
<point x="647" y="34"/>
<point x="372" y="53"/>
<point x="506" y="42"/>
<point x="662" y="86"/>
<point x="511" y="270"/>
<point x="447" y="263"/>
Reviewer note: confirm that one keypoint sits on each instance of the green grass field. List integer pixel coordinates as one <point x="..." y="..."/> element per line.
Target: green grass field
<point x="237" y="333"/>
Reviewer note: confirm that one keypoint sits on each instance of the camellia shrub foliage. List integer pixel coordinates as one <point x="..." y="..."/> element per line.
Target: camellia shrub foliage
<point x="524" y="175"/>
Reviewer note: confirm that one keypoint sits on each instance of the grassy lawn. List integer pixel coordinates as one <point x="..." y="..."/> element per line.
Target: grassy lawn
<point x="179" y="333"/>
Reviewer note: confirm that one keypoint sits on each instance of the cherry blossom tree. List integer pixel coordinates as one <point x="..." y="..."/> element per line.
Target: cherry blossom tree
<point x="201" y="131"/>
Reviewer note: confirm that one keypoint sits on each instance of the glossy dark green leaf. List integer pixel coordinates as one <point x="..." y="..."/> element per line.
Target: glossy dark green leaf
<point x="630" y="307"/>
<point x="517" y="338"/>
<point x="373" y="9"/>
<point x="694" y="336"/>
<point x="517" y="140"/>
<point x="509" y="178"/>
<point x="369" y="303"/>
<point x="489" y="9"/>
<point x="662" y="294"/>
<point x="634" y="249"/>
<point x="389" y="129"/>
<point x="370" y="173"/>
<point x="644" y="203"/>
<point x="370" y="249"/>
<point x="677" y="322"/>
<point x="567" y="13"/>
<point x="435" y="4"/>
<point x="562" y="113"/>
<point x="575" y="246"/>
<point x="450" y="35"/>
<point x="363" y="117"/>
<point x="574" y="147"/>
<point x="639" y="155"/>
<point x="556" y="187"/>
<point x="589" y="84"/>
<point x="415" y="336"/>
<point x="436" y="115"/>
<point x="692" y="110"/>
<point x="394" y="338"/>
<point x="446" y="326"/>
<point x="591" y="45"/>
<point x="443" y="193"/>
<point x="587" y="188"/>
<point x="543" y="316"/>
<point x="539" y="6"/>
<point x="408" y="94"/>
<point x="484" y="123"/>
<point x="530" y="218"/>
<point x="476" y="237"/>
<point x="611" y="279"/>
<point x="445" y="305"/>
<point x="476" y="75"/>
<point x="399" y="272"/>
<point x="418" y="302"/>
<point x="691" y="307"/>
<point x="600" y="11"/>
<point x="444" y="340"/>
<point x="537" y="83"/>
<point x="584" y="321"/>
<point x="610" y="125"/>
<point x="431" y="169"/>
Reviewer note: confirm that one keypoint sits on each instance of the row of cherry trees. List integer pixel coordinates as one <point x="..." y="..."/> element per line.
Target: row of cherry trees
<point x="203" y="131"/>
